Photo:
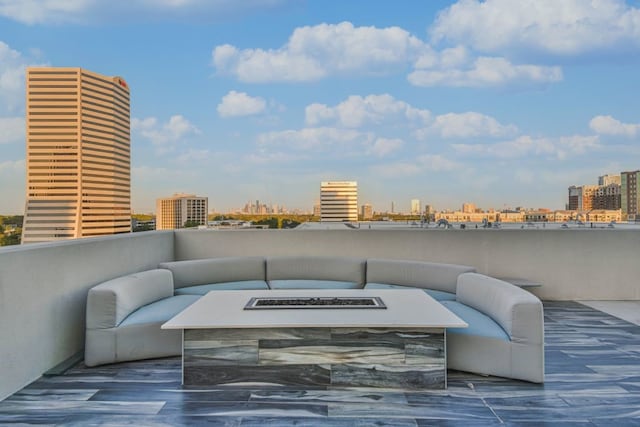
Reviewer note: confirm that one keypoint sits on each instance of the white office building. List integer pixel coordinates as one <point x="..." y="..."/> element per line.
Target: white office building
<point x="180" y="209"/>
<point x="339" y="201"/>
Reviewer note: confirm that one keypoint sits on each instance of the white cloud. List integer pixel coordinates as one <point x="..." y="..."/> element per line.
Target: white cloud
<point x="356" y="111"/>
<point x="607" y="125"/>
<point x="12" y="129"/>
<point x="315" y="139"/>
<point x="566" y="27"/>
<point x="38" y="11"/>
<point x="466" y="125"/>
<point x="482" y="72"/>
<point x="314" y="52"/>
<point x="13" y="167"/>
<point x="384" y="146"/>
<point x="523" y="146"/>
<point x="83" y="11"/>
<point x="12" y="71"/>
<point x="164" y="136"/>
<point x="238" y="104"/>
<point x="423" y="163"/>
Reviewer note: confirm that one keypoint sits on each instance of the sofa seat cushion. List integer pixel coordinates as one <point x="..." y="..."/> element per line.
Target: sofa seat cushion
<point x="159" y="311"/>
<point x="224" y="286"/>
<point x="479" y="324"/>
<point x="312" y="284"/>
<point x="436" y="295"/>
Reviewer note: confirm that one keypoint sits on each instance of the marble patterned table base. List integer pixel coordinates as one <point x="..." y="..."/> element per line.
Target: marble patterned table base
<point x="342" y="357"/>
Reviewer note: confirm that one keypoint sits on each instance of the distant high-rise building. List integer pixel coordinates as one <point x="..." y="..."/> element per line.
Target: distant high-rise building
<point x="415" y="207"/>
<point x="630" y="198"/>
<point x="468" y="207"/>
<point x="366" y="212"/>
<point x="338" y="201"/>
<point x="180" y="209"/>
<point x="78" y="155"/>
<point x="609" y="179"/>
<point x="581" y="197"/>
<point x="607" y="197"/>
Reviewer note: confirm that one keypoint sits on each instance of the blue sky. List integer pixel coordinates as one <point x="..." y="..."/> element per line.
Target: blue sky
<point x="501" y="103"/>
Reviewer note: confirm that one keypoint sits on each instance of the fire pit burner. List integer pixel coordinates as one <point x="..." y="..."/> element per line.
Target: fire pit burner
<point x="313" y="302"/>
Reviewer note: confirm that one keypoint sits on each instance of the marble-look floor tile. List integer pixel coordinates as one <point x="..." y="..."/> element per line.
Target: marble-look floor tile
<point x="324" y="396"/>
<point x="454" y="412"/>
<point x="150" y="421"/>
<point x="80" y="407"/>
<point x="32" y="394"/>
<point x="251" y="409"/>
<point x="326" y="422"/>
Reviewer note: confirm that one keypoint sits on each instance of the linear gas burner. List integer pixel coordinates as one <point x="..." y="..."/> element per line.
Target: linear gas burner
<point x="278" y="303"/>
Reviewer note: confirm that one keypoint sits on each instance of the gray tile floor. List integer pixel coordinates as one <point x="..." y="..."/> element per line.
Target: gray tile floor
<point x="592" y="379"/>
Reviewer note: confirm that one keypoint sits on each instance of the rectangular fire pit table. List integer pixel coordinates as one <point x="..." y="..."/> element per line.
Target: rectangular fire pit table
<point x="398" y="343"/>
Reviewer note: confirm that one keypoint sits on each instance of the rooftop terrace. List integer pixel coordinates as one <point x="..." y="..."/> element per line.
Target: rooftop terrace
<point x="592" y="378"/>
<point x="592" y="358"/>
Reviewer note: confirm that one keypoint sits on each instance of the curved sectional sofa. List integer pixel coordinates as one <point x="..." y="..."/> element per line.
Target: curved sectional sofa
<point x="505" y="336"/>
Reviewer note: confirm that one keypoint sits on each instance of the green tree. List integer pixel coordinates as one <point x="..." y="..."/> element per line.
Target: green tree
<point x="12" y="238"/>
<point x="191" y="223"/>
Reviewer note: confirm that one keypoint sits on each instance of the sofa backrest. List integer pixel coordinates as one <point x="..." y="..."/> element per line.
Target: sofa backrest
<point x="109" y="303"/>
<point x="419" y="274"/>
<point x="343" y="269"/>
<point x="215" y="270"/>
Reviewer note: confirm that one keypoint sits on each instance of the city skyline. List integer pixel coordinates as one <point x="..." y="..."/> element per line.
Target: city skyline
<point x="419" y="101"/>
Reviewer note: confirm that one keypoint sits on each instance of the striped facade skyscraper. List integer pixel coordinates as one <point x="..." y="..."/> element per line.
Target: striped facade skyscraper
<point x="78" y="155"/>
<point x="339" y="201"/>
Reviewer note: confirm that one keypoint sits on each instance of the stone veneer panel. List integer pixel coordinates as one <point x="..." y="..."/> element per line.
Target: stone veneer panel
<point x="344" y="357"/>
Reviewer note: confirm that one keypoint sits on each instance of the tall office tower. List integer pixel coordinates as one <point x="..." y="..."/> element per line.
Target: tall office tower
<point x="338" y="201"/>
<point x="415" y="207"/>
<point x="78" y="155"/>
<point x="630" y="198"/>
<point x="180" y="209"/>
<point x="581" y="198"/>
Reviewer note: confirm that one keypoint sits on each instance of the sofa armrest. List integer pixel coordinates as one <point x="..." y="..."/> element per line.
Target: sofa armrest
<point x="109" y="303"/>
<point x="517" y="311"/>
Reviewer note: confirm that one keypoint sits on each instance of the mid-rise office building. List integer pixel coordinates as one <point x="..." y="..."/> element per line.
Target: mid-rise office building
<point x="366" y="212"/>
<point x="630" y="199"/>
<point x="78" y="155"/>
<point x="339" y="201"/>
<point x="181" y="210"/>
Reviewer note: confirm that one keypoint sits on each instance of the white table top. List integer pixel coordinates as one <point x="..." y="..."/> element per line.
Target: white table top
<point x="410" y="308"/>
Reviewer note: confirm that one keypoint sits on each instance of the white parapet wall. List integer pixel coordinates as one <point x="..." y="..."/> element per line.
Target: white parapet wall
<point x="598" y="264"/>
<point x="43" y="291"/>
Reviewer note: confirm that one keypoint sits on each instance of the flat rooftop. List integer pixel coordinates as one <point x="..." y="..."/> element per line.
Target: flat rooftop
<point x="592" y="378"/>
